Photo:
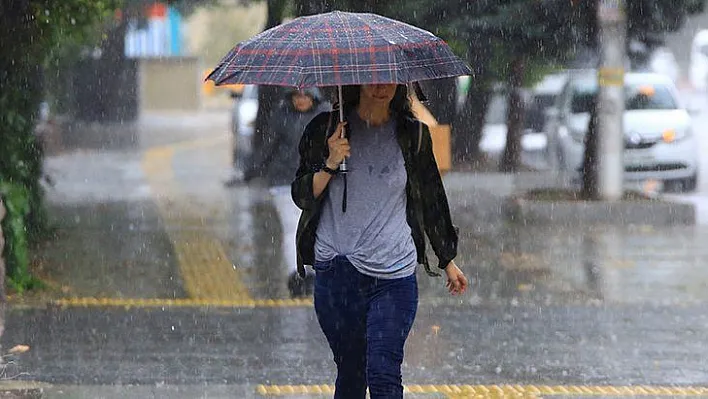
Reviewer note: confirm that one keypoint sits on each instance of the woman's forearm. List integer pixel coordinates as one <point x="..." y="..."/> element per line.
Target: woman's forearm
<point x="319" y="182"/>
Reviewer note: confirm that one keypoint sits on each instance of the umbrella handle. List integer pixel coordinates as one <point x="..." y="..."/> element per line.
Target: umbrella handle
<point x="343" y="165"/>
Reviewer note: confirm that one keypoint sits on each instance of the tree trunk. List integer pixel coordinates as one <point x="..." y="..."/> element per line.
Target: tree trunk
<point x="511" y="160"/>
<point x="468" y="126"/>
<point x="267" y="95"/>
<point x="590" y="190"/>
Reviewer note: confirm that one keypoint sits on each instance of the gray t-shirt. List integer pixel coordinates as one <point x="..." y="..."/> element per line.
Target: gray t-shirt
<point x="374" y="233"/>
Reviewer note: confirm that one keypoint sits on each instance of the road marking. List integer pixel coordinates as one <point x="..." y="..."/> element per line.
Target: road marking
<point x="180" y="303"/>
<point x="500" y="391"/>
<point x="206" y="271"/>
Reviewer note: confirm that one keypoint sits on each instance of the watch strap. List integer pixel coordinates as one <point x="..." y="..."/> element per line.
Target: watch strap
<point x="329" y="170"/>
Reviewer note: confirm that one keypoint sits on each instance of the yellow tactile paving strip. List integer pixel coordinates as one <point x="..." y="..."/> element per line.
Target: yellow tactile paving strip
<point x="205" y="269"/>
<point x="181" y="303"/>
<point x="500" y="391"/>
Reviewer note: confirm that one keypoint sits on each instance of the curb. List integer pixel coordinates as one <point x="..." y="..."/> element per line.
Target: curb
<point x="622" y="213"/>
<point x="21" y="390"/>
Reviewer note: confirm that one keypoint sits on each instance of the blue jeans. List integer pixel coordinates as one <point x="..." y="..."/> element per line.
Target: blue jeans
<point x="366" y="321"/>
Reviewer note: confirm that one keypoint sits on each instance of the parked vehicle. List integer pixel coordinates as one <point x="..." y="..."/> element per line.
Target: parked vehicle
<point x="494" y="133"/>
<point x="659" y="143"/>
<point x="543" y="96"/>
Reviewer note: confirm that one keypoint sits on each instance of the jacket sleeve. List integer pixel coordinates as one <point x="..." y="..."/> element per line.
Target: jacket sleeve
<point x="312" y="154"/>
<point x="443" y="235"/>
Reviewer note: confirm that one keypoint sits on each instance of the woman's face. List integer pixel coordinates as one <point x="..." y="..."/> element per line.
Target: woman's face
<point x="378" y="94"/>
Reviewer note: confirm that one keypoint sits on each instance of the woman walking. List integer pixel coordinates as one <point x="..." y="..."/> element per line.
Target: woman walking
<point x="366" y="237"/>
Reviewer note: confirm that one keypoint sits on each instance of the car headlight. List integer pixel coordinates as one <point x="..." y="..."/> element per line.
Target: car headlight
<point x="672" y="135"/>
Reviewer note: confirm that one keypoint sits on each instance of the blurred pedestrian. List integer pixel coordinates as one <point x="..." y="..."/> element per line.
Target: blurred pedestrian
<point x="365" y="253"/>
<point x="276" y="161"/>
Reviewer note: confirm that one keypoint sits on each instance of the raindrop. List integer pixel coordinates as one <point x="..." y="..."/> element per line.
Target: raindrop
<point x="173" y="328"/>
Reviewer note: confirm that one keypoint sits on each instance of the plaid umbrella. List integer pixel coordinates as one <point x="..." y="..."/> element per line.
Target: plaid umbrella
<point x="339" y="48"/>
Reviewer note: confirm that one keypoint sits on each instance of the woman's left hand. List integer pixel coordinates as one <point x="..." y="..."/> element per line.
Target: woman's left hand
<point x="456" y="280"/>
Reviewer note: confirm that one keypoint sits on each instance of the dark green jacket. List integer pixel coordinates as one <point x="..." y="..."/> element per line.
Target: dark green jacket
<point x="427" y="207"/>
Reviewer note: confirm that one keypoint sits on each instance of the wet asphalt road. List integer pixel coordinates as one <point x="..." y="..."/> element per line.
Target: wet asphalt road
<point x="583" y="306"/>
<point x="450" y="344"/>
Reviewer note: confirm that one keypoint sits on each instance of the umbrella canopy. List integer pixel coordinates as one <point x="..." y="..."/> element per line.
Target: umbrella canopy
<point x="339" y="48"/>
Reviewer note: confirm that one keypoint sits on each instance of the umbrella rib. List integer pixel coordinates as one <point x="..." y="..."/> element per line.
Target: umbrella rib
<point x="351" y="44"/>
<point x="236" y="49"/>
<point x="396" y="44"/>
<point x="335" y="53"/>
<point x="298" y="39"/>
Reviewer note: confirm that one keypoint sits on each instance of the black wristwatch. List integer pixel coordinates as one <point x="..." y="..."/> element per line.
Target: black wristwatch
<point x="329" y="170"/>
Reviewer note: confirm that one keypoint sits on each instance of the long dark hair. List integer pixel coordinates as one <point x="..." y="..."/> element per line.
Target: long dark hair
<point x="400" y="106"/>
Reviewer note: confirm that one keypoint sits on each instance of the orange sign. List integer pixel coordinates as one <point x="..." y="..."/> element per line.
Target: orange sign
<point x="157" y="11"/>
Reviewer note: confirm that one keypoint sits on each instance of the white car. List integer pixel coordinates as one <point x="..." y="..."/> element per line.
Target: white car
<point x="495" y="126"/>
<point x="659" y="143"/>
<point x="543" y="97"/>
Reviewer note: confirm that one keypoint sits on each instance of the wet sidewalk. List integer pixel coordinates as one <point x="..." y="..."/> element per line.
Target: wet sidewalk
<point x="155" y="221"/>
<point x="164" y="279"/>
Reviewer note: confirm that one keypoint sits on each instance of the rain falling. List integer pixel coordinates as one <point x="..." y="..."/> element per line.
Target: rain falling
<point x="353" y="198"/>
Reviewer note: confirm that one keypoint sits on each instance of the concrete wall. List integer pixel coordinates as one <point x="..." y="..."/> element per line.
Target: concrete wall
<point x="170" y="84"/>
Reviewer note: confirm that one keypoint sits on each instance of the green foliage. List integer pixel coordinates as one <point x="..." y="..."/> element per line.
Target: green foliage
<point x="38" y="40"/>
<point x="648" y="20"/>
<point x="30" y="32"/>
<point x="16" y="199"/>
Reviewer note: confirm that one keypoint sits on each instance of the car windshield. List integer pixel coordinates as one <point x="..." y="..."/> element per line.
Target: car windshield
<point x="637" y="97"/>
